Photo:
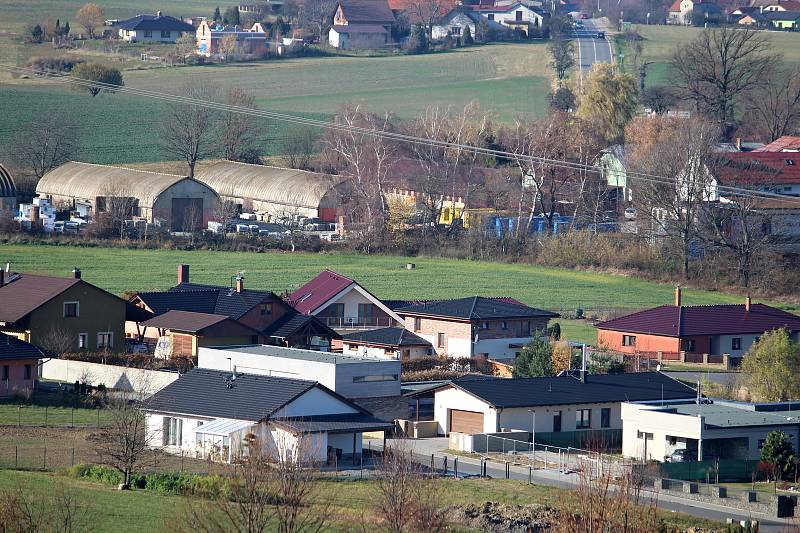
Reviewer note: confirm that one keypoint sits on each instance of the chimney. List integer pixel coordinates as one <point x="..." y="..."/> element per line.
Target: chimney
<point x="747" y="303"/>
<point x="678" y="296"/>
<point x="76" y="273"/>
<point x="240" y="283"/>
<point x="183" y="274"/>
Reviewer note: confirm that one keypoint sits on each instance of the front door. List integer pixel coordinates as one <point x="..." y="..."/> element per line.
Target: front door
<point x="557" y="422"/>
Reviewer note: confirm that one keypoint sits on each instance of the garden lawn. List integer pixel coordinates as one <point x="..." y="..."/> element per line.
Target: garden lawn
<point x="119" y="270"/>
<point x="352" y="502"/>
<point x="12" y="414"/>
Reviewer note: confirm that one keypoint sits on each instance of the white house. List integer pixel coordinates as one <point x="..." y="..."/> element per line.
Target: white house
<point x="350" y="376"/>
<point x="156" y="28"/>
<point x="516" y="16"/>
<point x="456" y="22"/>
<point x="709" y="428"/>
<point x="212" y="414"/>
<point x="556" y="408"/>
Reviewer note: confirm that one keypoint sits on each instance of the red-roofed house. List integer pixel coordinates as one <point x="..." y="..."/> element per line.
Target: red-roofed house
<point x="695" y="329"/>
<point x="775" y="172"/>
<point x="787" y="143"/>
<point x="342" y="303"/>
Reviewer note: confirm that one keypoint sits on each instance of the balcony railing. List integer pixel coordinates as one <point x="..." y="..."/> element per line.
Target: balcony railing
<point x="344" y="322"/>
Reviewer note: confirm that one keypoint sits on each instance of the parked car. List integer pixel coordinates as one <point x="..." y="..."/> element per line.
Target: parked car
<point x="630" y="213"/>
<point x="682" y="456"/>
<point x="134" y="346"/>
<point x="600" y="35"/>
<point x="578" y="24"/>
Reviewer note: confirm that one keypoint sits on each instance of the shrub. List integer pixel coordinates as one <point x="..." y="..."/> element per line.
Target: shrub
<point x="53" y="65"/>
<point x="101" y="474"/>
<point x="161" y="482"/>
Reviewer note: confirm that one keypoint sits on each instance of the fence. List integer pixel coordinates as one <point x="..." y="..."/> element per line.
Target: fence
<point x="601" y="439"/>
<point x="55" y="417"/>
<point x="712" y="470"/>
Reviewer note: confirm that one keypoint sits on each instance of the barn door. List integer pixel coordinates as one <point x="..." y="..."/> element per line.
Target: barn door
<point x="187" y="214"/>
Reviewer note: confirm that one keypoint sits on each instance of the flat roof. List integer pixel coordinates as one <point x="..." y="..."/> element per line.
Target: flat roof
<point x="296" y="353"/>
<point x="727" y="414"/>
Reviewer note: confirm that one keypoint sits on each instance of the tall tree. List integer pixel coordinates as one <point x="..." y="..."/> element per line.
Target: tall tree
<point x="771" y="367"/>
<point x="217" y="17"/>
<point x="562" y="57"/>
<point x="718" y="68"/>
<point x="773" y="109"/>
<point x="536" y="358"/>
<point x="609" y="100"/>
<point x="187" y="130"/>
<point x="238" y="133"/>
<point x="46" y="142"/>
<point x="428" y="12"/>
<point x="778" y="450"/>
<point x="231" y="16"/>
<point x="185" y="46"/>
<point x="91" y="17"/>
<point x="100" y="74"/>
<point x="316" y="16"/>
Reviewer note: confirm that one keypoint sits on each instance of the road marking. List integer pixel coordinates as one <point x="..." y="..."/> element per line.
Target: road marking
<point x="594" y="47"/>
<point x="580" y="66"/>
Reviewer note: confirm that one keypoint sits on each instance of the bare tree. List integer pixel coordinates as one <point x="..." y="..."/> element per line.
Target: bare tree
<point x="316" y="16"/>
<point x="428" y="12"/>
<point x="44" y="143"/>
<point x="56" y="340"/>
<point x="298" y="148"/>
<point x="224" y="213"/>
<point x="187" y="130"/>
<point x="719" y="67"/>
<point x="119" y="205"/>
<point x="238" y="136"/>
<point x="774" y="107"/>
<point x="91" y="17"/>
<point x="61" y="511"/>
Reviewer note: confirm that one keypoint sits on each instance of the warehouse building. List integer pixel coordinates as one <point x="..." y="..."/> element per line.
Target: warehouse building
<point x="8" y="192"/>
<point x="175" y="202"/>
<point x="277" y="192"/>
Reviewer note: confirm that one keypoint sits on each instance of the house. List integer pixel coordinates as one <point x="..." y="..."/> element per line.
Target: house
<point x="615" y="172"/>
<point x="65" y="313"/>
<point x="710" y="429"/>
<point x="235" y="314"/>
<point x="216" y="39"/>
<point x="455" y="23"/>
<point x="158" y="28"/>
<point x="783" y="20"/>
<point x="697" y="329"/>
<point x="20" y="365"/>
<point x="386" y="343"/>
<point x="783" y="5"/>
<point x="210" y="414"/>
<point x="166" y="200"/>
<point x="787" y="143"/>
<point x="361" y="24"/>
<point x="516" y="16"/>
<point x="765" y="171"/>
<point x="688" y="12"/>
<point x="475" y="326"/>
<point x="342" y="303"/>
<point x="8" y="191"/>
<point x="555" y="408"/>
<point x="350" y="376"/>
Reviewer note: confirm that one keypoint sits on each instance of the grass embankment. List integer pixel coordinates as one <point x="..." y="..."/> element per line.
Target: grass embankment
<point x="352" y="502"/>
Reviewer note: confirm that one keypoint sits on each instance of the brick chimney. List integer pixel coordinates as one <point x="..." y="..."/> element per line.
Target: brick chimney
<point x="747" y="303"/>
<point x="678" y="296"/>
<point x="240" y="284"/>
<point x="76" y="273"/>
<point x="183" y="274"/>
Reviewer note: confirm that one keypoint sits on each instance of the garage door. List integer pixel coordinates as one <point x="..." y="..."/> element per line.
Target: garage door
<point x="468" y="422"/>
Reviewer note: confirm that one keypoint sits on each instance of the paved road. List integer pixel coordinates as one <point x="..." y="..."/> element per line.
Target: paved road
<point x="424" y="448"/>
<point x="590" y="49"/>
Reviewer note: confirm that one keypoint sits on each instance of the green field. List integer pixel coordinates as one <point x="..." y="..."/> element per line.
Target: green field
<point x="119" y="270"/>
<point x="352" y="503"/>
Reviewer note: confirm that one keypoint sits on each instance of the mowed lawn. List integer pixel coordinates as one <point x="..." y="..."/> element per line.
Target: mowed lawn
<point x="660" y="42"/>
<point x="349" y="505"/>
<point x="118" y="270"/>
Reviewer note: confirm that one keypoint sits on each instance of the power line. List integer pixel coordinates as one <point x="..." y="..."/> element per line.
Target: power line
<point x="400" y="137"/>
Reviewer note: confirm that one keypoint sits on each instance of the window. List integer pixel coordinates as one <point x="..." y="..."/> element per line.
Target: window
<point x="336" y="310"/>
<point x="148" y="33"/>
<point x="484" y="325"/>
<point x="5" y="372"/>
<point x="525" y="328"/>
<point x="365" y="311"/>
<point x="105" y="339"/>
<point x="687" y="345"/>
<point x="557" y="422"/>
<point x="28" y="371"/>
<point x="440" y="340"/>
<point x="172" y="434"/>
<point x="629" y="340"/>
<point x="583" y="418"/>
<point x="406" y="355"/>
<point x="760" y="443"/>
<point x="83" y="341"/>
<point x="518" y="15"/>
<point x="605" y="417"/>
<point x="165" y="34"/>
<point x="672" y="440"/>
<point x="266" y="309"/>
<point x="736" y="343"/>
<point x="455" y="30"/>
<point x="417" y="324"/>
<point x="503" y="325"/>
<point x="71" y="309"/>
<point x="490" y="16"/>
<point x="374" y="378"/>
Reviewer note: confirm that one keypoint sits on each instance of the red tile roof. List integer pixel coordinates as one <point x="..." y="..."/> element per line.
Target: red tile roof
<point x="676" y="6"/>
<point x="26" y="292"/>
<point x="672" y="321"/>
<point x="787" y="142"/>
<point x="759" y="168"/>
<point x="319" y="290"/>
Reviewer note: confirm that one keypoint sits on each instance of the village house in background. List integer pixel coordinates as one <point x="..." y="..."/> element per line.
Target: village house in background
<point x="475" y="326"/>
<point x="208" y="413"/>
<point x="158" y="28"/>
<point x="392" y="343"/>
<point x="216" y="39"/>
<point x="19" y="366"/>
<point x="64" y="314"/>
<point x="361" y="24"/>
<point x="516" y="16"/>
<point x="702" y="333"/>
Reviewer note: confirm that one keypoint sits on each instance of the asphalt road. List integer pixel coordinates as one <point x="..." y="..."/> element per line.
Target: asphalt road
<point x="590" y="49"/>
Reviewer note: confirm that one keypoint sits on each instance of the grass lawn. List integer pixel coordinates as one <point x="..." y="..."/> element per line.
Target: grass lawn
<point x="118" y="270"/>
<point x="577" y="331"/>
<point x="352" y="502"/>
<point x="35" y="415"/>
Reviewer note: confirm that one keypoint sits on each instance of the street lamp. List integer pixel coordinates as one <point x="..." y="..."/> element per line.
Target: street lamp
<point x="533" y="433"/>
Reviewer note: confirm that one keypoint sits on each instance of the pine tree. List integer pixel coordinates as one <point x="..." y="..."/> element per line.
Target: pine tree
<point x="36" y="33"/>
<point x="66" y="29"/>
<point x="535" y="359"/>
<point x="467" y="38"/>
<point x="217" y="15"/>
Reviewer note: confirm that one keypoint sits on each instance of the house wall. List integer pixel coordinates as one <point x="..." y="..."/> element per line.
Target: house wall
<point x="98" y="311"/>
<point x="448" y="399"/>
<point x="16" y="382"/>
<point x="154" y="423"/>
<point x="314" y="402"/>
<point x="162" y="207"/>
<point x="351" y="298"/>
<point x="256" y="320"/>
<point x="112" y="376"/>
<point x="458" y="335"/>
<point x="724" y="344"/>
<point x="154" y="37"/>
<point x="644" y="343"/>
<point x="363" y="41"/>
<point x="357" y="349"/>
<point x="456" y="27"/>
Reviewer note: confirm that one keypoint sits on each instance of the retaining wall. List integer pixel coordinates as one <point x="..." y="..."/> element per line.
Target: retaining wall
<point x="114" y="377"/>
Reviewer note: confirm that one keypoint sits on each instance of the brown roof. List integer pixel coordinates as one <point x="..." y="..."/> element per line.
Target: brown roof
<point x="24" y="293"/>
<point x="367" y="11"/>
<point x="194" y="322"/>
<point x="787" y="142"/>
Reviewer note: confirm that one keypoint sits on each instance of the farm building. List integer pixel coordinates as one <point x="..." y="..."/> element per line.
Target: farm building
<point x="8" y="192"/>
<point x="177" y="202"/>
<point x="280" y="192"/>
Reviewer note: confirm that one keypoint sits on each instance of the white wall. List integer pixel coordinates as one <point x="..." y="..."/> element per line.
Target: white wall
<point x="116" y="377"/>
<point x="521" y="418"/>
<point x="448" y="399"/>
<point x="155" y="433"/>
<point x="380" y="353"/>
<point x="725" y="344"/>
<point x="499" y="348"/>
<point x="315" y="402"/>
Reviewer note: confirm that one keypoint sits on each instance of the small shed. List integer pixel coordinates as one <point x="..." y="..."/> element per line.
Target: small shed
<point x="8" y="191"/>
<point x="177" y="202"/>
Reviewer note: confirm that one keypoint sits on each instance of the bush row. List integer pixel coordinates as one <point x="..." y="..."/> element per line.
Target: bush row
<point x="204" y="486"/>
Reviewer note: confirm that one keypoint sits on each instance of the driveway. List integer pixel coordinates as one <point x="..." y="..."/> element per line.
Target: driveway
<point x="590" y="49"/>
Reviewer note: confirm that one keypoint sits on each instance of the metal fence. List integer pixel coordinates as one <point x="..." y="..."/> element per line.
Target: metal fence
<point x="731" y="470"/>
<point x="54" y="417"/>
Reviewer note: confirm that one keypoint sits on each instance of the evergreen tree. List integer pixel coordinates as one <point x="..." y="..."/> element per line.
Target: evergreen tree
<point x="535" y="359"/>
<point x="419" y="41"/>
<point x="778" y="451"/>
<point x="467" y="37"/>
<point x="36" y="33"/>
<point x="65" y="30"/>
<point x="231" y="17"/>
<point x="217" y="15"/>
